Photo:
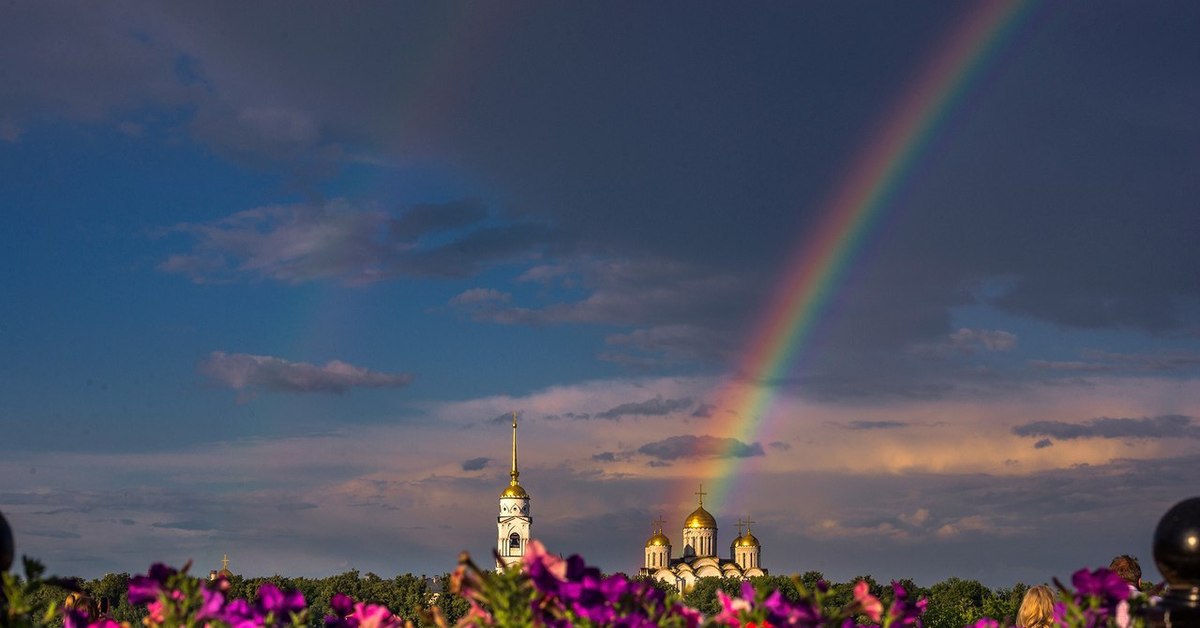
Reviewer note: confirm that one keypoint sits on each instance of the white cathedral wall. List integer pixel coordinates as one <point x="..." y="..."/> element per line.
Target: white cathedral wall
<point x="703" y="541"/>
<point x="514" y="518"/>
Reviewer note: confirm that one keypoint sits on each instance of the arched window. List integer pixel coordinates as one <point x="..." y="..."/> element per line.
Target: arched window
<point x="514" y="541"/>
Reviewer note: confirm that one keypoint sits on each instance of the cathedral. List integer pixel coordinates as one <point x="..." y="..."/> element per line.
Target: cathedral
<point x="699" y="559"/>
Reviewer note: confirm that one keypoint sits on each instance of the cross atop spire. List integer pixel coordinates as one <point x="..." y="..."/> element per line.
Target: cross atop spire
<point x="701" y="493"/>
<point x="740" y="524"/>
<point x="749" y="522"/>
<point x="225" y="561"/>
<point x="658" y="524"/>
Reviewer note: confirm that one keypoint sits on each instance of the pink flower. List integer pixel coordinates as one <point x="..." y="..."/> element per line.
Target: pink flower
<point x="375" y="616"/>
<point x="731" y="607"/>
<point x="535" y="552"/>
<point x="870" y="604"/>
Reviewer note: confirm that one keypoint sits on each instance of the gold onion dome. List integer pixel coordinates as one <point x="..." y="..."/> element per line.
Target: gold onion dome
<point x="658" y="540"/>
<point x="225" y="573"/>
<point x="700" y="518"/>
<point x="514" y="490"/>
<point x="748" y="540"/>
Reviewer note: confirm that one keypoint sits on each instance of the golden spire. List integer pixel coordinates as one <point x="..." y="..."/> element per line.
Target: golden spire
<point x="514" y="473"/>
<point x="514" y="488"/>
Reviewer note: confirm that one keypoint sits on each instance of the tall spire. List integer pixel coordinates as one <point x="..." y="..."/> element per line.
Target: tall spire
<point x="514" y="473"/>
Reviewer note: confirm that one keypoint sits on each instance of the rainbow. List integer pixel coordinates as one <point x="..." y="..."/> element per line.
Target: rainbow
<point x="862" y="195"/>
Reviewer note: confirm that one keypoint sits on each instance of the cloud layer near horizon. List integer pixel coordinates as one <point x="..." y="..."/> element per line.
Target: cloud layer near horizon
<point x="404" y="489"/>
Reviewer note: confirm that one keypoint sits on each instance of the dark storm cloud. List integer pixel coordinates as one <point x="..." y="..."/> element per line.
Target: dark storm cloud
<point x="62" y="62"/>
<point x="779" y="445"/>
<point x="475" y="464"/>
<point x="1066" y="184"/>
<point x="682" y="309"/>
<point x="875" y="425"/>
<point x="1105" y="361"/>
<point x="428" y="218"/>
<point x="651" y="407"/>
<point x="703" y="411"/>
<point x="689" y="446"/>
<point x="191" y="526"/>
<point x="53" y="534"/>
<point x="1044" y="443"/>
<point x="1167" y="426"/>
<point x="612" y="456"/>
<point x="242" y="371"/>
<point x="294" y="506"/>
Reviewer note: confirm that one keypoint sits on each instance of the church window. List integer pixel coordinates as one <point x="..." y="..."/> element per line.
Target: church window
<point x="514" y="541"/>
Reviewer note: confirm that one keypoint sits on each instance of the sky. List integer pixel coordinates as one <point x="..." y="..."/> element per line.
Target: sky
<point x="274" y="275"/>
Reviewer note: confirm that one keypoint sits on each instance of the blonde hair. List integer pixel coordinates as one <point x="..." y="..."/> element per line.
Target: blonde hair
<point x="1037" y="609"/>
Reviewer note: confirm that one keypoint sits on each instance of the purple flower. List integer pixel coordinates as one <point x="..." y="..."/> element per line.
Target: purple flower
<point x="1102" y="583"/>
<point x="341" y="604"/>
<point x="272" y="600"/>
<point x="210" y="608"/>
<point x="240" y="614"/>
<point x="903" y="612"/>
<point x="144" y="589"/>
<point x="75" y="618"/>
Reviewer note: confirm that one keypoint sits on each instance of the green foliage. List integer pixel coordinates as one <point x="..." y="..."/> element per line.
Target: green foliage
<point x="32" y="600"/>
<point x="703" y="596"/>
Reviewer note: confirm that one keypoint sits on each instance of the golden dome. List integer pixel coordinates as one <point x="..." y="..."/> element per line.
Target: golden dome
<point x="747" y="541"/>
<point x="658" y="540"/>
<point x="700" y="518"/>
<point x="514" y="490"/>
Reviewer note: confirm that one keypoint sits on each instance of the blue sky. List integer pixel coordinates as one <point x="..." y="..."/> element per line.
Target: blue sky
<point x="272" y="271"/>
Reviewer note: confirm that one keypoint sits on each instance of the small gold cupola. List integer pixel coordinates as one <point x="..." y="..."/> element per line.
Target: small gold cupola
<point x="658" y="539"/>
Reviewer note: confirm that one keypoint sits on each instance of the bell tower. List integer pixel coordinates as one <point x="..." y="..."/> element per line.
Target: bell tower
<point x="515" y="520"/>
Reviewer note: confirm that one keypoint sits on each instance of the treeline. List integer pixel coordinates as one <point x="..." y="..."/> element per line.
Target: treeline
<point x="953" y="603"/>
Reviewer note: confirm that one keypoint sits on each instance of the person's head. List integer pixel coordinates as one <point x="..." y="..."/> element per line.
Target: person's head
<point x="1128" y="569"/>
<point x="1037" y="609"/>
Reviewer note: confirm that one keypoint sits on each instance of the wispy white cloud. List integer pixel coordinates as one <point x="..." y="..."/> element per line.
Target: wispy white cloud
<point x="338" y="240"/>
<point x="243" y="371"/>
<point x="966" y="340"/>
<point x="480" y="295"/>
